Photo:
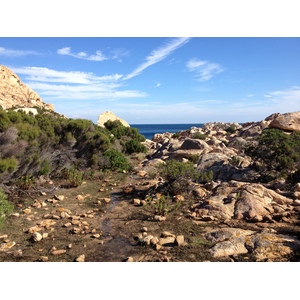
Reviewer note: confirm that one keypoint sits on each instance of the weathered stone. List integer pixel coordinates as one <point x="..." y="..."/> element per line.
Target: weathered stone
<point x="167" y="241"/>
<point x="180" y="240"/>
<point x="108" y="115"/>
<point x="14" y="93"/>
<point x="37" y="236"/>
<point x="147" y="239"/>
<point x="159" y="218"/>
<point x="287" y="121"/>
<point x="6" y="246"/>
<point x="129" y="259"/>
<point x="80" y="258"/>
<point x="58" y="252"/>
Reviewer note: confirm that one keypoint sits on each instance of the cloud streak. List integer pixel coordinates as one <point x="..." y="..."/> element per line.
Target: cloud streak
<point x="50" y="75"/>
<point x="99" y="56"/>
<point x="16" y="53"/>
<point x="158" y="55"/>
<point x="204" y="70"/>
<point x="55" y="84"/>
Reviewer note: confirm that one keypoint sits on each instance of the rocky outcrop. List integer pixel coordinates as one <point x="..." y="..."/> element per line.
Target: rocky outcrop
<point x="14" y="93"/>
<point x="287" y="121"/>
<point x="108" y="115"/>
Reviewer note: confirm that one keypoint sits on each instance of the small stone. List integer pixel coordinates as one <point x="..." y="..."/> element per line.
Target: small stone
<point x="44" y="258"/>
<point x="58" y="252"/>
<point x="80" y="197"/>
<point x="59" y="197"/>
<point x="159" y="218"/>
<point x="37" y="236"/>
<point x="76" y="230"/>
<point x="167" y="241"/>
<point x="96" y="235"/>
<point x="45" y="235"/>
<point x="136" y="202"/>
<point x="34" y="229"/>
<point x="180" y="240"/>
<point x="80" y="258"/>
<point x="167" y="234"/>
<point x="6" y="246"/>
<point x="129" y="259"/>
<point x="4" y="236"/>
<point x="15" y="215"/>
<point x="69" y="246"/>
<point x="27" y="211"/>
<point x="75" y="222"/>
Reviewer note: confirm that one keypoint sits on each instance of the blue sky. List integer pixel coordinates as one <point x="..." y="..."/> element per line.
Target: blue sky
<point x="148" y="80"/>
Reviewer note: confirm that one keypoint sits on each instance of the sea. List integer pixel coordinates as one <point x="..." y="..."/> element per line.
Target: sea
<point x="148" y="130"/>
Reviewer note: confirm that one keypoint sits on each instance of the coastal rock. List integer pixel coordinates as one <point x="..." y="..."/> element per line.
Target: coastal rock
<point x="14" y="93"/>
<point x="287" y="121"/>
<point x="108" y="115"/>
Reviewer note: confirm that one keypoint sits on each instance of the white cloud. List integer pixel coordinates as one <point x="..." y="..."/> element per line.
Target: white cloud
<point x="52" y="84"/>
<point x="286" y="100"/>
<point x="82" y="55"/>
<point x="204" y="70"/>
<point x="50" y="75"/>
<point x="15" y="53"/>
<point x="158" y="55"/>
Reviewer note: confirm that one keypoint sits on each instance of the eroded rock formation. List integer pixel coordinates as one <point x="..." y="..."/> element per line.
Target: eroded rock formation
<point x="108" y="115"/>
<point x="14" y="93"/>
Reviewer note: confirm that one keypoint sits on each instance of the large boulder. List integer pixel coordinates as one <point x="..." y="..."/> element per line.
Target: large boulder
<point x="108" y="115"/>
<point x="287" y="121"/>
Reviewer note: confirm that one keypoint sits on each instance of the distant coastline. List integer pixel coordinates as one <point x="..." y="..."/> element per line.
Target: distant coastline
<point x="149" y="130"/>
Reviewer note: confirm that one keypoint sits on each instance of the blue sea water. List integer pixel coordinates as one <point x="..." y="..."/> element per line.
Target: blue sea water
<point x="148" y="130"/>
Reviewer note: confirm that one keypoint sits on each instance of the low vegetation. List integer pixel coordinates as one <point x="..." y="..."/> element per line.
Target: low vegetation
<point x="276" y="154"/>
<point x="49" y="145"/>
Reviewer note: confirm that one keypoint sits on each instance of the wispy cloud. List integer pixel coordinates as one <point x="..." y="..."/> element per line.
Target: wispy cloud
<point x="204" y="70"/>
<point x="50" y="75"/>
<point x="55" y="84"/>
<point x="16" y="53"/>
<point x="158" y="55"/>
<point x="98" y="56"/>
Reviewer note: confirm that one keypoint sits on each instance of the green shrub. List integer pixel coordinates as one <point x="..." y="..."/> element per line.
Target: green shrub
<point x="178" y="174"/>
<point x="134" y="146"/>
<point x="8" y="164"/>
<point x="75" y="177"/>
<point x="199" y="136"/>
<point x="25" y="182"/>
<point x="45" y="167"/>
<point x="161" y="206"/>
<point x="276" y="151"/>
<point x="206" y="176"/>
<point x="5" y="206"/>
<point x="194" y="158"/>
<point x="117" y="160"/>
<point x="176" y="135"/>
<point x="231" y="129"/>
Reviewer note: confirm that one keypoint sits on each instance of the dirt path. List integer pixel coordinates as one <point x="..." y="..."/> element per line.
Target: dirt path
<point x="94" y="220"/>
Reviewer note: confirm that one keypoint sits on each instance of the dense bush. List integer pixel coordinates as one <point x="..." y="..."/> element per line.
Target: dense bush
<point x="134" y="146"/>
<point x="178" y="174"/>
<point x="117" y="160"/>
<point x="276" y="151"/>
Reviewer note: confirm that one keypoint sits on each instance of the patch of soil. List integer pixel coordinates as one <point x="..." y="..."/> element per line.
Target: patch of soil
<point x="97" y="220"/>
